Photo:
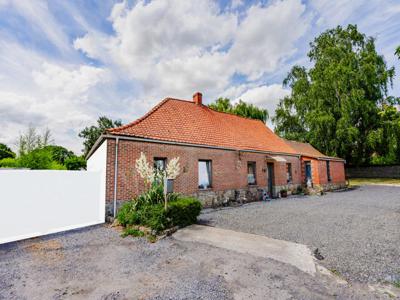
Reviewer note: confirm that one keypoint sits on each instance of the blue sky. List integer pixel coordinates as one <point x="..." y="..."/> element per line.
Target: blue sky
<point x="64" y="63"/>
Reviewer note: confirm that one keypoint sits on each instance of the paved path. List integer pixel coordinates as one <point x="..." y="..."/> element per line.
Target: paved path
<point x="297" y="255"/>
<point x="357" y="232"/>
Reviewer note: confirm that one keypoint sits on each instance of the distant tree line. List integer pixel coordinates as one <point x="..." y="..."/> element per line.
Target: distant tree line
<point x="241" y="108"/>
<point x="37" y="152"/>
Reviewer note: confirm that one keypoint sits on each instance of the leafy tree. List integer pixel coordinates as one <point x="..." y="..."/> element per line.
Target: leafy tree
<point x="75" y="163"/>
<point x="59" y="153"/>
<point x="92" y="133"/>
<point x="6" y="152"/>
<point x="39" y="159"/>
<point x="386" y="139"/>
<point x="9" y="163"/>
<point x="241" y="108"/>
<point x="31" y="140"/>
<point x="398" y="52"/>
<point x="335" y="104"/>
<point x="222" y="104"/>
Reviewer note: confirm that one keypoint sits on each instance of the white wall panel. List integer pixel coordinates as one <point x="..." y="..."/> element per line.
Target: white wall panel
<point x="38" y="202"/>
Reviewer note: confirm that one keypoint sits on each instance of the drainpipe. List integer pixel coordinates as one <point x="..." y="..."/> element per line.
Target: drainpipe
<point x="115" y="177"/>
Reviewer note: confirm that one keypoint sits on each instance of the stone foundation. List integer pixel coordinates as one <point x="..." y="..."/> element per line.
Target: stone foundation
<point x="110" y="207"/>
<point x="210" y="198"/>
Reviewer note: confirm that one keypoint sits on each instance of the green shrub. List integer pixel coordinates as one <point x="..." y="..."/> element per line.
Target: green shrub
<point x="151" y="215"/>
<point x="181" y="212"/>
<point x="184" y="211"/>
<point x="56" y="166"/>
<point x="75" y="163"/>
<point x="9" y="163"/>
<point x="127" y="214"/>
<point x="155" y="217"/>
<point x="38" y="159"/>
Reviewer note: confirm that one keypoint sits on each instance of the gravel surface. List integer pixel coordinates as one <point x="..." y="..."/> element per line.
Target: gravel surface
<point x="96" y="263"/>
<point x="357" y="231"/>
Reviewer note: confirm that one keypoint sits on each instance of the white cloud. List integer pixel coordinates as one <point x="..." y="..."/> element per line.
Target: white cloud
<point x="37" y="14"/>
<point x="265" y="96"/>
<point x="34" y="91"/>
<point x="267" y="36"/>
<point x="174" y="48"/>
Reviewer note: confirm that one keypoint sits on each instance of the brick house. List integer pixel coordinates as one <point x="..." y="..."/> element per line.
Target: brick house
<point x="222" y="156"/>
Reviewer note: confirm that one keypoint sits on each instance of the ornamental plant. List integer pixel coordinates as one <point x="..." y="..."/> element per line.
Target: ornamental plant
<point x="150" y="175"/>
<point x="154" y="178"/>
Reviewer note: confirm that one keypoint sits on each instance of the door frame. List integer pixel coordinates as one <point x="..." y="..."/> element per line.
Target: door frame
<point x="307" y="163"/>
<point x="270" y="179"/>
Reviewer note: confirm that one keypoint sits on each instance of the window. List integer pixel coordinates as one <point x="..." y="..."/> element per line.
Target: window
<point x="204" y="174"/>
<point x="251" y="172"/>
<point x="289" y="172"/>
<point x="328" y="171"/>
<point x="160" y="163"/>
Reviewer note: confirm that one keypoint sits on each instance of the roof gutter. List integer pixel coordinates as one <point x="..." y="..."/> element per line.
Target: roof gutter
<point x="148" y="140"/>
<point x="115" y="178"/>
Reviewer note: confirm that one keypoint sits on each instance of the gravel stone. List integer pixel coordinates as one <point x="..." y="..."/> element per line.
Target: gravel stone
<point x="96" y="263"/>
<point x="356" y="231"/>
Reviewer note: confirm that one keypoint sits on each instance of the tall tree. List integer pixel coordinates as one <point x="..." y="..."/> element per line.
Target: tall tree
<point x="31" y="140"/>
<point x="398" y="52"/>
<point x="241" y="108"/>
<point x="335" y="104"/>
<point x="6" y="152"/>
<point x="92" y="133"/>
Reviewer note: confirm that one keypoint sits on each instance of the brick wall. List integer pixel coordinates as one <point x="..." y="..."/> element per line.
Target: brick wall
<point x="319" y="174"/>
<point x="229" y="168"/>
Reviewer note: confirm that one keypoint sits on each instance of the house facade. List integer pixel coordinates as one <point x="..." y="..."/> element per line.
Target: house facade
<point x="223" y="157"/>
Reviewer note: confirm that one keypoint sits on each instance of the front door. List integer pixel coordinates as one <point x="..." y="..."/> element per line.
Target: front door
<point x="308" y="172"/>
<point x="270" y="167"/>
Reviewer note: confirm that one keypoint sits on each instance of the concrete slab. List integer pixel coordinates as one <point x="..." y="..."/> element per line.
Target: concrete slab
<point x="297" y="255"/>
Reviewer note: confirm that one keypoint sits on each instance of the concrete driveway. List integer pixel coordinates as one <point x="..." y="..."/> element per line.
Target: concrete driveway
<point x="357" y="232"/>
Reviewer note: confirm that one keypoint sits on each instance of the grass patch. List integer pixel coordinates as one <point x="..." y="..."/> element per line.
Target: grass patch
<point x="132" y="232"/>
<point x="397" y="284"/>
<point x="152" y="238"/>
<point x="364" y="181"/>
<point x="336" y="272"/>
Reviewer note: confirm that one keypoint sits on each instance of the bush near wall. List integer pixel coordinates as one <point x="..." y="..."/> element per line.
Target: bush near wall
<point x="181" y="212"/>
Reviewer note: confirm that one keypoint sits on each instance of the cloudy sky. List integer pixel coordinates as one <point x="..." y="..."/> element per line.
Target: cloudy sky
<point x="64" y="63"/>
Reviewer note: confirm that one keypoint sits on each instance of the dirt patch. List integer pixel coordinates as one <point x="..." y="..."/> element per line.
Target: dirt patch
<point x="49" y="251"/>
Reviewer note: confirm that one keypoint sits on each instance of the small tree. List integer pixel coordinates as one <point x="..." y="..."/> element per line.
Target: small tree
<point x="6" y="152"/>
<point x="92" y="133"/>
<point x="31" y="140"/>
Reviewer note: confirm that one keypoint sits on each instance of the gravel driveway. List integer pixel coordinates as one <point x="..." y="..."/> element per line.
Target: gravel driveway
<point x="357" y="231"/>
<point x="96" y="263"/>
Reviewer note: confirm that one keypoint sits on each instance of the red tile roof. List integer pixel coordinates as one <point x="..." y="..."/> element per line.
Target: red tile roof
<point x="305" y="149"/>
<point x="186" y="122"/>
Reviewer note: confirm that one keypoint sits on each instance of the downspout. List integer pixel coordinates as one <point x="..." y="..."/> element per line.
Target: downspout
<point x="115" y="176"/>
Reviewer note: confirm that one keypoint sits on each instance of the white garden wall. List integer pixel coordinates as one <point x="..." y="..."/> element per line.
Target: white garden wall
<point x="38" y="202"/>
